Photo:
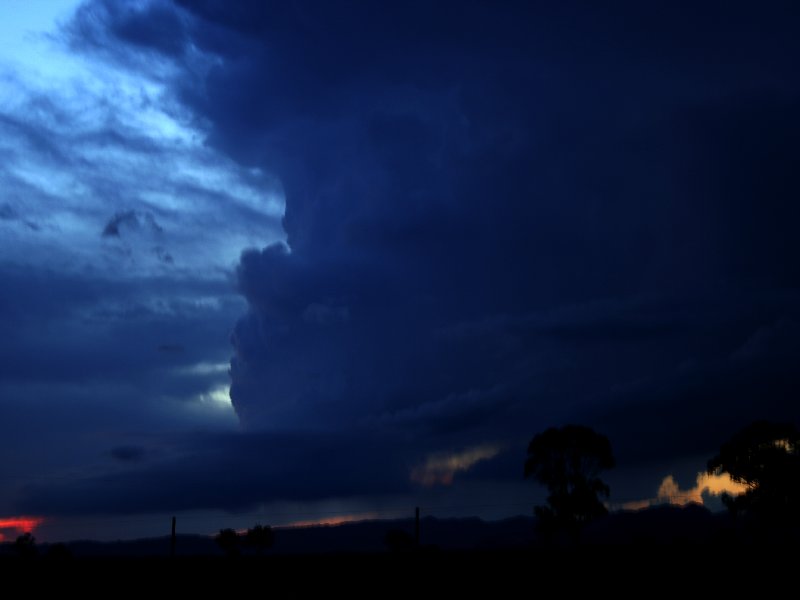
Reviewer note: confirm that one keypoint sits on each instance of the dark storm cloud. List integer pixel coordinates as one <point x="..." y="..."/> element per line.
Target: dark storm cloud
<point x="498" y="218"/>
<point x="546" y="180"/>
<point x="615" y="217"/>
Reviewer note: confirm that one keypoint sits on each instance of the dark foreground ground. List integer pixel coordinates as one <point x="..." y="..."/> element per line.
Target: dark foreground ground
<point x="662" y="552"/>
<point x="600" y="571"/>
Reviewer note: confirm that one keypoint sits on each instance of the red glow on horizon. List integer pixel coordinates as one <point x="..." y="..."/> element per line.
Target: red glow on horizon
<point x="19" y="525"/>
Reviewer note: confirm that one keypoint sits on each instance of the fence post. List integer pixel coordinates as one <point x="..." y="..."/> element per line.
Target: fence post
<point x="172" y="540"/>
<point x="416" y="527"/>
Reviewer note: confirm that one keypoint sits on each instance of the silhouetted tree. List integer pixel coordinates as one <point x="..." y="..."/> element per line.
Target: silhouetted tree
<point x="25" y="545"/>
<point x="228" y="540"/>
<point x="259" y="537"/>
<point x="568" y="461"/>
<point x="766" y="457"/>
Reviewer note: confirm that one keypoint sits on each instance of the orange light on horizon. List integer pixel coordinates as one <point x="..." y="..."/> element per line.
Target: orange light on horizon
<point x="333" y="521"/>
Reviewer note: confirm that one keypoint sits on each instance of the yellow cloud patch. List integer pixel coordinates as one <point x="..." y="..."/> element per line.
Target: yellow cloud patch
<point x="440" y="469"/>
<point x="716" y="485"/>
<point x="669" y="492"/>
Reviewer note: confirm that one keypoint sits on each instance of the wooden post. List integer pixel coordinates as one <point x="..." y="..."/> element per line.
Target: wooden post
<point x="172" y="540"/>
<point x="416" y="527"/>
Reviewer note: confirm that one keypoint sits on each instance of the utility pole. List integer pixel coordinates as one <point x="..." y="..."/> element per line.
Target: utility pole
<point x="172" y="540"/>
<point x="416" y="527"/>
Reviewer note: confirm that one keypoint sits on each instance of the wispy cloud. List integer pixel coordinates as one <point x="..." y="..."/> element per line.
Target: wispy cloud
<point x="440" y="469"/>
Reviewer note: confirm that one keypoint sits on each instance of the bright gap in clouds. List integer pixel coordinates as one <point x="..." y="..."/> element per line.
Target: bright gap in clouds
<point x="219" y="396"/>
<point x="27" y="21"/>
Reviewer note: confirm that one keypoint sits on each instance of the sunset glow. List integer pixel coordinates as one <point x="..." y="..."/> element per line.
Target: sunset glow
<point x="18" y="525"/>
<point x="336" y="520"/>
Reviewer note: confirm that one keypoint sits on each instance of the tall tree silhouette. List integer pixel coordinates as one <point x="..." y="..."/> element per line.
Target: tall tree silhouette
<point x="766" y="457"/>
<point x="568" y="460"/>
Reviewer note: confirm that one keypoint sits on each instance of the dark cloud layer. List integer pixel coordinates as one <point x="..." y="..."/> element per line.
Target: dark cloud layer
<point x="237" y="472"/>
<point x="498" y="218"/>
<point x="128" y="453"/>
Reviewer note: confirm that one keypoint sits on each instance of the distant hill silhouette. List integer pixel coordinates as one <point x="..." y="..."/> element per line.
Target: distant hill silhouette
<point x="359" y="537"/>
<point x="660" y="525"/>
<point x="682" y="548"/>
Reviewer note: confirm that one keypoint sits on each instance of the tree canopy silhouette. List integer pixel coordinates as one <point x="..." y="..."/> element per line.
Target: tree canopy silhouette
<point x="259" y="537"/>
<point x="25" y="545"/>
<point x="568" y="460"/>
<point x="228" y="540"/>
<point x="766" y="457"/>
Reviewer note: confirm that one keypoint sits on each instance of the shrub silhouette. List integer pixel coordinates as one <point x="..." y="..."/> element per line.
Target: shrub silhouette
<point x="59" y="552"/>
<point x="25" y="545"/>
<point x="568" y="461"/>
<point x="397" y="540"/>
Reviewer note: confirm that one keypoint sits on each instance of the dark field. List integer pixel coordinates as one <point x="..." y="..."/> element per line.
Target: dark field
<point x="599" y="571"/>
